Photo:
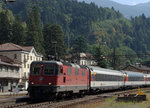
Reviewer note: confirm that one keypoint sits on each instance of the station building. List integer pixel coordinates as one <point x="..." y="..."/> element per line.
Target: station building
<point x="138" y="68"/>
<point x="81" y="59"/>
<point x="9" y="74"/>
<point x="25" y="55"/>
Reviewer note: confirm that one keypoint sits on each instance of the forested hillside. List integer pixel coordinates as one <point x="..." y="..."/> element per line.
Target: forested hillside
<point x="79" y="26"/>
<point x="127" y="10"/>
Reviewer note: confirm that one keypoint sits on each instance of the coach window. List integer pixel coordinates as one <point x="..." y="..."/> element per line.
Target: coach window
<point x="69" y="71"/>
<point x="76" y="72"/>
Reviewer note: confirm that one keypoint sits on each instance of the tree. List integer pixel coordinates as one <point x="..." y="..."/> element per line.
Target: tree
<point x="5" y="27"/>
<point x="54" y="39"/>
<point x="18" y="32"/>
<point x="80" y="45"/>
<point x="100" y="57"/>
<point x="35" y="34"/>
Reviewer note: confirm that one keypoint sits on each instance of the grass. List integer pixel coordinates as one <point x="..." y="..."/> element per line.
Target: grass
<point x="112" y="103"/>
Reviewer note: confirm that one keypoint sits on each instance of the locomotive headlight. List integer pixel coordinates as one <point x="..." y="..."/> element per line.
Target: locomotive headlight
<point x="49" y="83"/>
<point x="32" y="82"/>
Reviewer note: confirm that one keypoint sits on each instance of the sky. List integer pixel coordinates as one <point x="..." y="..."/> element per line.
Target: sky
<point x="131" y="2"/>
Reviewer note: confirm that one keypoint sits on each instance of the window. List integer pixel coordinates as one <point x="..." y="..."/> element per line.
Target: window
<point x="15" y="56"/>
<point x="28" y="66"/>
<point x="17" y="70"/>
<point x="0" y="69"/>
<point x="12" y="69"/>
<point x="30" y="57"/>
<point x="69" y="71"/>
<point x="35" y="69"/>
<point x="6" y="69"/>
<point x="24" y="74"/>
<point x="49" y="69"/>
<point x="24" y="57"/>
<point x="93" y="77"/>
<point x="27" y="57"/>
<point x="76" y="72"/>
<point x="24" y="65"/>
<point x="83" y="72"/>
<point x="105" y="77"/>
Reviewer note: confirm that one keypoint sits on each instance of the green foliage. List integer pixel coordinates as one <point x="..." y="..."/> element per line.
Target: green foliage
<point x="74" y="17"/>
<point x="122" y="56"/>
<point x="80" y="45"/>
<point x="18" y="32"/>
<point x="141" y="34"/>
<point x="53" y="35"/>
<point x="35" y="34"/>
<point x="100" y="57"/>
<point x="70" y="19"/>
<point x="5" y="26"/>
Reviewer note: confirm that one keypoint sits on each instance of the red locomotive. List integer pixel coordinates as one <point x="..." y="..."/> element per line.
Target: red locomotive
<point x="53" y="78"/>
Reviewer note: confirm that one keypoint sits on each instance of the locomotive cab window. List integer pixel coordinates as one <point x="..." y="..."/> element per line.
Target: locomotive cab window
<point x="35" y="69"/>
<point x="51" y="69"/>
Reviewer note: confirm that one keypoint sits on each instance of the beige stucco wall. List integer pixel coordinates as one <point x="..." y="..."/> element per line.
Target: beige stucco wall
<point x="87" y="62"/>
<point x="25" y="58"/>
<point x="11" y="73"/>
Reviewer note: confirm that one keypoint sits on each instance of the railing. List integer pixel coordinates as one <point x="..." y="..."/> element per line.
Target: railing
<point x="9" y="75"/>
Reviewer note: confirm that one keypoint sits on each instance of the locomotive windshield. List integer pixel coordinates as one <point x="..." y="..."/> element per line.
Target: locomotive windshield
<point x="35" y="69"/>
<point x="51" y="69"/>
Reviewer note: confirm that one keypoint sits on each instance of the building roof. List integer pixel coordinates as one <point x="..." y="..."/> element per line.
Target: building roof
<point x="9" y="60"/>
<point x="80" y="55"/>
<point x="28" y="48"/>
<point x="140" y="67"/>
<point x="14" y="47"/>
<point x="11" y="47"/>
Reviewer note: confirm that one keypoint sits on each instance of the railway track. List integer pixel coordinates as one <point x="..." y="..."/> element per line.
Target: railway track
<point x="67" y="103"/>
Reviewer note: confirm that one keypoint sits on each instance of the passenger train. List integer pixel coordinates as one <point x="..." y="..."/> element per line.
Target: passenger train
<point x="51" y="79"/>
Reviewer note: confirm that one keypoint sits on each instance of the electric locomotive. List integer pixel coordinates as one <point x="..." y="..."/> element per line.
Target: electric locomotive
<point x="50" y="79"/>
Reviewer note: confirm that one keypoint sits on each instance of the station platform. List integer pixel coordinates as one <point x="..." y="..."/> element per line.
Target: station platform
<point x="13" y="93"/>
